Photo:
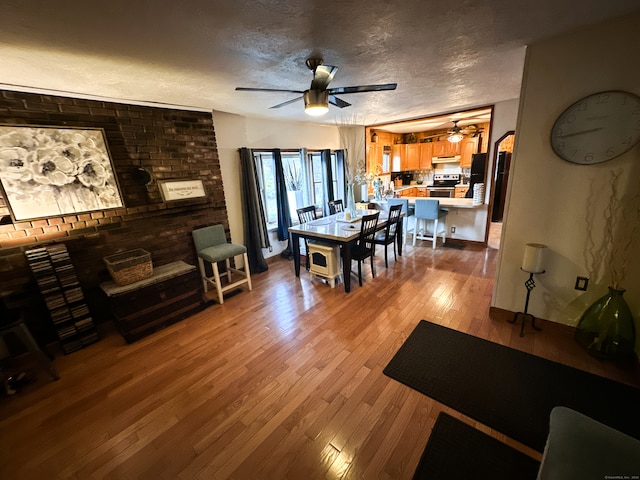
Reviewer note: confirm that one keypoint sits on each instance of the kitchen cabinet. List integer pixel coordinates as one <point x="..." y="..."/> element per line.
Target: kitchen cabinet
<point x="468" y="147"/>
<point x="426" y="152"/>
<point x="374" y="158"/>
<point x="422" y="192"/>
<point x="398" y="155"/>
<point x="460" y="192"/>
<point x="445" y="149"/>
<point x="412" y="157"/>
<point x="408" y="192"/>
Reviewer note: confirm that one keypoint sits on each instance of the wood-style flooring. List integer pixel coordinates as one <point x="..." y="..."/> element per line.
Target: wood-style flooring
<point x="282" y="382"/>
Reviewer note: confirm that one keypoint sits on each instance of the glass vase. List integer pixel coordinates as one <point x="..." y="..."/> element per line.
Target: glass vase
<point x="351" y="201"/>
<point x="607" y="329"/>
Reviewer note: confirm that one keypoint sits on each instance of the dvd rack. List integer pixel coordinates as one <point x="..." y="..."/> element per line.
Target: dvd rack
<point x="58" y="283"/>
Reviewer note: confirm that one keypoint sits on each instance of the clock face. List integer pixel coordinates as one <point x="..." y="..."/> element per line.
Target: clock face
<point x="597" y="128"/>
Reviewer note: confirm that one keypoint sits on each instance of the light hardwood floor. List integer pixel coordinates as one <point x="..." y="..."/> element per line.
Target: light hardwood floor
<point x="282" y="382"/>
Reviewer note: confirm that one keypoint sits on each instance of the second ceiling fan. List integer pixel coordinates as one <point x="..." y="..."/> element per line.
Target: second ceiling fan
<point x="318" y="97"/>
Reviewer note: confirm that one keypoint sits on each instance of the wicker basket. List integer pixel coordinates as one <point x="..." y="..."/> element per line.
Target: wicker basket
<point x="130" y="266"/>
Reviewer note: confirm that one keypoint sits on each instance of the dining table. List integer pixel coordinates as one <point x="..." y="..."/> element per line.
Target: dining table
<point x="338" y="229"/>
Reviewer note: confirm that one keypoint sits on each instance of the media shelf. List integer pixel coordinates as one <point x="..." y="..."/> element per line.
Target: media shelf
<point x="62" y="293"/>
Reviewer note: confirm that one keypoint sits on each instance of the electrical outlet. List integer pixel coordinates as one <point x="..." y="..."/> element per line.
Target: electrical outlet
<point x="453" y="229"/>
<point x="582" y="283"/>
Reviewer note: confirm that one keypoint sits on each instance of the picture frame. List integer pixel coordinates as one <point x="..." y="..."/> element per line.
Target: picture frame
<point x="173" y="190"/>
<point x="55" y="171"/>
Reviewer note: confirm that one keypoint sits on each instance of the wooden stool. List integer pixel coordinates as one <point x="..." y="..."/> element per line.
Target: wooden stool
<point x="20" y="330"/>
<point x="212" y="246"/>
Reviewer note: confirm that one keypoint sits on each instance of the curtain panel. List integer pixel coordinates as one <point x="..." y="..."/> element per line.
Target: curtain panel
<point x="256" y="235"/>
<point x="282" y="198"/>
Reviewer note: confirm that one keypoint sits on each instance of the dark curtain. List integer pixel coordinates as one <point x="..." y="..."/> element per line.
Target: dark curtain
<point x="284" y="216"/>
<point x="325" y="158"/>
<point x="256" y="235"/>
<point x="341" y="168"/>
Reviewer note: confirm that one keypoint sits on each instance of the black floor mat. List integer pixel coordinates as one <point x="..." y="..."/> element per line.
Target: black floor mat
<point x="508" y="390"/>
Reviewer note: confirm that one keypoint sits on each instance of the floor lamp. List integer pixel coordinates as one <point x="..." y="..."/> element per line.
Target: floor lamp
<point x="532" y="263"/>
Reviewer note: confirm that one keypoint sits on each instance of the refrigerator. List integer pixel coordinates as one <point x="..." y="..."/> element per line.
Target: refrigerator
<point x="478" y="168"/>
<point x="500" y="192"/>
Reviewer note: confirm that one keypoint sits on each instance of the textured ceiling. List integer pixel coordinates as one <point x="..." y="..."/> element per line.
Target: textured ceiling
<point x="445" y="56"/>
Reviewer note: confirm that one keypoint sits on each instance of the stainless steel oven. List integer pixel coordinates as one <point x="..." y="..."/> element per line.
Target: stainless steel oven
<point x="442" y="192"/>
<point x="444" y="185"/>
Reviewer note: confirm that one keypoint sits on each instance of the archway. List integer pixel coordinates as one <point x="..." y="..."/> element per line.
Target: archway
<point x="501" y="164"/>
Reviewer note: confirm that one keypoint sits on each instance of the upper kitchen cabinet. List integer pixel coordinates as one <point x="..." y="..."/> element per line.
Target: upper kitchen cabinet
<point x="374" y="157"/>
<point x="445" y="149"/>
<point x="398" y="157"/>
<point x="412" y="157"/>
<point x="412" y="144"/>
<point x="426" y="152"/>
<point x="468" y="147"/>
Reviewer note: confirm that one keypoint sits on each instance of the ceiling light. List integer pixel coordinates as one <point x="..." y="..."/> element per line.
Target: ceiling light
<point x="316" y="102"/>
<point x="455" y="137"/>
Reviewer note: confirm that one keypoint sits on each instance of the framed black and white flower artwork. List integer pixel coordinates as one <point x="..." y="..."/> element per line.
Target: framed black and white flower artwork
<point x="53" y="171"/>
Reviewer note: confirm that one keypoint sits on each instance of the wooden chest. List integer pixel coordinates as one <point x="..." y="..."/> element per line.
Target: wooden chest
<point x="172" y="293"/>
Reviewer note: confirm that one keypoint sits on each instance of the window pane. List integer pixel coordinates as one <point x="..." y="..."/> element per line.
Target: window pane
<point x="318" y="191"/>
<point x="294" y="177"/>
<point x="266" y="168"/>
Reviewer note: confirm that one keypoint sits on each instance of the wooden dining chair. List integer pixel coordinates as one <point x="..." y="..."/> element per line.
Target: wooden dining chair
<point x="389" y="234"/>
<point x="365" y="246"/>
<point x="335" y="206"/>
<point x="306" y="214"/>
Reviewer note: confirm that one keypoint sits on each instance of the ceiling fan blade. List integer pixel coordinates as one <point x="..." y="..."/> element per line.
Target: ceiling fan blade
<point x="322" y="76"/>
<point x="338" y="102"/>
<point x="250" y="89"/>
<point x="363" y="88"/>
<point x="287" y="102"/>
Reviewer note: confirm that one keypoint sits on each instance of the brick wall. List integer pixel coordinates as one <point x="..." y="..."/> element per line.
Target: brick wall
<point x="170" y="144"/>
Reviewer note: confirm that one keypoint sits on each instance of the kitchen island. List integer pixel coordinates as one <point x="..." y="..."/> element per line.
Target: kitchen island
<point x="465" y="220"/>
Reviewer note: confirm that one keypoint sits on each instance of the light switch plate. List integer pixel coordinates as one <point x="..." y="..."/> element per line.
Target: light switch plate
<point x="582" y="283"/>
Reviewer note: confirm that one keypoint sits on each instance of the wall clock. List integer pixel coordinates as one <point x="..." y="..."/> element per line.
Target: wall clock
<point x="597" y="128"/>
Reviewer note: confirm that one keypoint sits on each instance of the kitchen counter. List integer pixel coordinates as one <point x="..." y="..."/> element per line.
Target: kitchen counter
<point x="444" y="202"/>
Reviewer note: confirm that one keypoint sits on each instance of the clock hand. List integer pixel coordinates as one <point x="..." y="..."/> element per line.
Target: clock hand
<point x="579" y="133"/>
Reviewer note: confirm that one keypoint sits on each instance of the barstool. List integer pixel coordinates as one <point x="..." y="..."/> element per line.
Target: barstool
<point x="20" y="330"/>
<point x="428" y="209"/>
<point x="212" y="246"/>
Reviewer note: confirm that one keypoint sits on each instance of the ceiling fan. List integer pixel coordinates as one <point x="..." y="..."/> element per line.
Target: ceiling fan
<point x="456" y="133"/>
<point x="318" y="96"/>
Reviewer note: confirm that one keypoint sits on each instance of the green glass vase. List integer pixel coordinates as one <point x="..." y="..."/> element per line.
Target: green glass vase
<point x="607" y="329"/>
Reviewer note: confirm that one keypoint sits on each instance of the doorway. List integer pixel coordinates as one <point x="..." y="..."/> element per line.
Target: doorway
<point x="503" y="149"/>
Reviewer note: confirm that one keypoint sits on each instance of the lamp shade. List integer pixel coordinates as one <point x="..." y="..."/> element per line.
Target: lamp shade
<point x="533" y="261"/>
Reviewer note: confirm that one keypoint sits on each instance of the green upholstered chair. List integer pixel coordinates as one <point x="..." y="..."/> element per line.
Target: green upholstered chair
<point x="212" y="246"/>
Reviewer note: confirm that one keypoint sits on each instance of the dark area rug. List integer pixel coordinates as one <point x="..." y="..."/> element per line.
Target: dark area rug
<point x="508" y="390"/>
<point x="457" y="450"/>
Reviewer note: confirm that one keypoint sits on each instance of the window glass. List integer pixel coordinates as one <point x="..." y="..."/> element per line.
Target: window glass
<point x="305" y="180"/>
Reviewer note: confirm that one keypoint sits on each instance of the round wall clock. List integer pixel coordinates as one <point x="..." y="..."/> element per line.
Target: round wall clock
<point x="597" y="128"/>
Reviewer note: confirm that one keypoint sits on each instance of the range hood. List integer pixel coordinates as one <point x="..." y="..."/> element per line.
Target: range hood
<point x="451" y="159"/>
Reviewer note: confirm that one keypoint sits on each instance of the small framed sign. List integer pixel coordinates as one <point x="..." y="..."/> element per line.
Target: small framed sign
<point x="182" y="190"/>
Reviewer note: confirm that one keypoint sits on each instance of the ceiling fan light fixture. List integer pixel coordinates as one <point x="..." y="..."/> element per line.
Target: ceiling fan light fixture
<point x="455" y="137"/>
<point x="316" y="102"/>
